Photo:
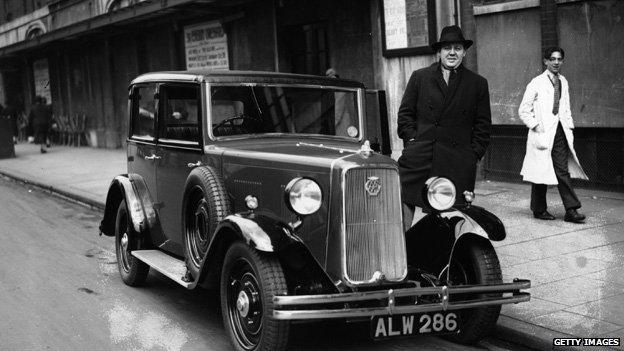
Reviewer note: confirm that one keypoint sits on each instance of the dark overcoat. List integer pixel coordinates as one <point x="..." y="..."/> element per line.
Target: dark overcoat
<point x="445" y="130"/>
<point x="39" y="119"/>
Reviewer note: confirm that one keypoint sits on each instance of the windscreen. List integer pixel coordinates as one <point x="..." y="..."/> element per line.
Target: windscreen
<point x="240" y="110"/>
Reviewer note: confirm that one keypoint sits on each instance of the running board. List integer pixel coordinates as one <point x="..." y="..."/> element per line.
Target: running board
<point x="171" y="267"/>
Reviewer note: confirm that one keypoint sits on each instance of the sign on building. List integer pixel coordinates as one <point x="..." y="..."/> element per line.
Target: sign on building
<point x="206" y="46"/>
<point x="42" y="79"/>
<point x="395" y="24"/>
<point x="409" y="26"/>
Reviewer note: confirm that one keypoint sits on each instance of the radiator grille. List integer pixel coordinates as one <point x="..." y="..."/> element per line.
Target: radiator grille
<point x="374" y="239"/>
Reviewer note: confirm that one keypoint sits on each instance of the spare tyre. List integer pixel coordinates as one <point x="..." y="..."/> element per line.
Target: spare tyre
<point x="205" y="204"/>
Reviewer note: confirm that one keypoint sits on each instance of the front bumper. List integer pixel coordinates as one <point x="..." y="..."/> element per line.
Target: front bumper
<point x="324" y="306"/>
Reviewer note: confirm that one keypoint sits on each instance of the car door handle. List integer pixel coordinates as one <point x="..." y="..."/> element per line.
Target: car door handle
<point x="193" y="165"/>
<point x="153" y="157"/>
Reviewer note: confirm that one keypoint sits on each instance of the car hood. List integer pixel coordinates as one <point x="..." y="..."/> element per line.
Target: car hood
<point x="317" y="153"/>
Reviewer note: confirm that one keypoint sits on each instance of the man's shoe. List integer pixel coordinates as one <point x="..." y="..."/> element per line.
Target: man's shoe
<point x="574" y="217"/>
<point x="543" y="215"/>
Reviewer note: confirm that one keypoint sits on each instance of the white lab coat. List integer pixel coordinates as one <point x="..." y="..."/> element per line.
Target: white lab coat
<point x="536" y="107"/>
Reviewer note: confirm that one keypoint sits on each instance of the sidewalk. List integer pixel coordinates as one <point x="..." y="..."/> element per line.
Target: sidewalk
<point x="577" y="270"/>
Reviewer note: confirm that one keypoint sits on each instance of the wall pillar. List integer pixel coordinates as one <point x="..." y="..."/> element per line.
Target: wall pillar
<point x="548" y="23"/>
<point x="469" y="28"/>
<point x="105" y="137"/>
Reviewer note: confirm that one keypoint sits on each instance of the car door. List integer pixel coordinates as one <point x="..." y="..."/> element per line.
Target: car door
<point x="179" y="145"/>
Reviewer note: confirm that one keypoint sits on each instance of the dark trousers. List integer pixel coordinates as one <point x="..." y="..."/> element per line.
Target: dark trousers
<point x="560" y="154"/>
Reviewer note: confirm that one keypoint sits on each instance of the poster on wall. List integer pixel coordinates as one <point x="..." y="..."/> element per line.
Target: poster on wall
<point x="396" y="24"/>
<point x="42" y="79"/>
<point x="206" y="46"/>
<point x="408" y="27"/>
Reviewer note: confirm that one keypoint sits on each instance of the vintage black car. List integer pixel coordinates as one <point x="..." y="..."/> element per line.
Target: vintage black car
<point x="265" y="186"/>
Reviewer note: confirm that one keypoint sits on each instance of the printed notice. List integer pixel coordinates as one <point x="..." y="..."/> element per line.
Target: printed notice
<point x="395" y="21"/>
<point x="206" y="46"/>
<point x="42" y="79"/>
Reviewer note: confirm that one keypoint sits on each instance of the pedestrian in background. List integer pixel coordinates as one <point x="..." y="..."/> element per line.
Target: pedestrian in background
<point x="40" y="118"/>
<point x="550" y="157"/>
<point x="444" y="121"/>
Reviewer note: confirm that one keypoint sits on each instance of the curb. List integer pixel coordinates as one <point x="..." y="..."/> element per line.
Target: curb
<point x="55" y="191"/>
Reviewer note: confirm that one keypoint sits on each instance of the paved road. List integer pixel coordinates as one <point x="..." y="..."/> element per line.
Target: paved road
<point x="60" y="290"/>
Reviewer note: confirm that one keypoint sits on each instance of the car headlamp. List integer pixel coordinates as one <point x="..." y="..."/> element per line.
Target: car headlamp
<point x="439" y="193"/>
<point x="303" y="196"/>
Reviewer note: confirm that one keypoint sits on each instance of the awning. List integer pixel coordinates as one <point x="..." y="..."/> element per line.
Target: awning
<point x="139" y="12"/>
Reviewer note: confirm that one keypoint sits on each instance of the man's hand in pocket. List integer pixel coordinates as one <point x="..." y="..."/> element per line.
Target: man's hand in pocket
<point x="538" y="128"/>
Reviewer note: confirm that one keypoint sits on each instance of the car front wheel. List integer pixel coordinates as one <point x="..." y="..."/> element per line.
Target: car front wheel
<point x="133" y="271"/>
<point x="475" y="262"/>
<point x="249" y="280"/>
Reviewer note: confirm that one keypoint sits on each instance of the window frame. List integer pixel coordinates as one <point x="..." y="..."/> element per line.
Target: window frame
<point x="415" y="50"/>
<point x="133" y="112"/>
<point x="162" y="120"/>
<point x="360" y="110"/>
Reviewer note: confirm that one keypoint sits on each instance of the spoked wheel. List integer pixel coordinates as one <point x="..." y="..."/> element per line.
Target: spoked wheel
<point x="475" y="262"/>
<point x="248" y="282"/>
<point x="132" y="270"/>
<point x="205" y="205"/>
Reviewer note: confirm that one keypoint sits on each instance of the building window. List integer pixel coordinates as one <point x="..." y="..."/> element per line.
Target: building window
<point x="33" y="33"/>
<point x="118" y="4"/>
<point x="409" y="27"/>
<point x="308" y="46"/>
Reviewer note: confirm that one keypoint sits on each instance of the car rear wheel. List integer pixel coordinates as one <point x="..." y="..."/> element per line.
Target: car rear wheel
<point x="475" y="262"/>
<point x="249" y="280"/>
<point x="132" y="270"/>
<point x="205" y="205"/>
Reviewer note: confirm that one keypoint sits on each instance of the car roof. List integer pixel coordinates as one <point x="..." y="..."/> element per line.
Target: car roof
<point x="225" y="76"/>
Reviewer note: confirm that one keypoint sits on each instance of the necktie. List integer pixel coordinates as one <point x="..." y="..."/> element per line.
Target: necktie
<point x="557" y="84"/>
<point x="449" y="76"/>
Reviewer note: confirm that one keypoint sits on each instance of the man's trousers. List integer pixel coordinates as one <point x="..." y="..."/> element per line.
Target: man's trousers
<point x="560" y="154"/>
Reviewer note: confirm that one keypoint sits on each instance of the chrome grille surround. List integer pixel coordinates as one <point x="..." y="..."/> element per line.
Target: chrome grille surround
<point x="373" y="243"/>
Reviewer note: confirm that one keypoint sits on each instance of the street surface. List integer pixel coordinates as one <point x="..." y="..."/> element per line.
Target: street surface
<point x="60" y="290"/>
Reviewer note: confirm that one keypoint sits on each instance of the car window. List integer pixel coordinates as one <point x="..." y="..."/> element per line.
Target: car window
<point x="144" y="105"/>
<point x="180" y="117"/>
<point x="281" y="109"/>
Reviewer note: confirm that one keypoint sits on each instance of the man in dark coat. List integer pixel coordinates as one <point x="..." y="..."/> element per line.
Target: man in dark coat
<point x="444" y="121"/>
<point x="40" y="118"/>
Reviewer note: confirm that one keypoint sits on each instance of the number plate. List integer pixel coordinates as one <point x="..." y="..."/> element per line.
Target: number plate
<point x="383" y="327"/>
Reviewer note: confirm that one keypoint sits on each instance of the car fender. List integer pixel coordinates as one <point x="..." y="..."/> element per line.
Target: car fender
<point x="432" y="240"/>
<point x="477" y="220"/>
<point x="133" y="189"/>
<point x="145" y="199"/>
<point x="263" y="232"/>
<point x="260" y="231"/>
<point x="119" y="189"/>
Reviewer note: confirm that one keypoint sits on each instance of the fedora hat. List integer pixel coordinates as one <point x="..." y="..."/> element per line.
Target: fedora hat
<point x="451" y="34"/>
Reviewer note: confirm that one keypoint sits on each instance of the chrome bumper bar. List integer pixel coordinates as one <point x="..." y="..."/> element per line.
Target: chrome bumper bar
<point x="292" y="307"/>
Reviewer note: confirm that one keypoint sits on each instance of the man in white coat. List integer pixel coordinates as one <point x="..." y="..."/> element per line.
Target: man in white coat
<point x="550" y="157"/>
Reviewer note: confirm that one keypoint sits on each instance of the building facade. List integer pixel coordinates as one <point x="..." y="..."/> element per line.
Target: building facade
<point x="81" y="55"/>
